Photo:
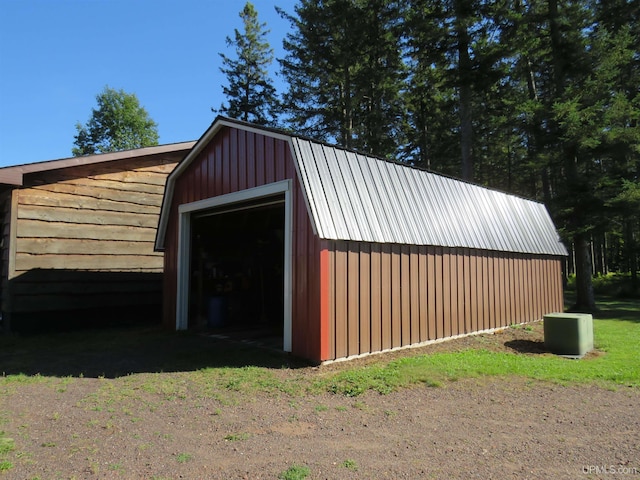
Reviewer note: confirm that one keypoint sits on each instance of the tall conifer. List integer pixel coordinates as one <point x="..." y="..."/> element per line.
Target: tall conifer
<point x="250" y="93"/>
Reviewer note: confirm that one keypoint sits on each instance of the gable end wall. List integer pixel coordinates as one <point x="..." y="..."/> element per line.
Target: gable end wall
<point x="237" y="160"/>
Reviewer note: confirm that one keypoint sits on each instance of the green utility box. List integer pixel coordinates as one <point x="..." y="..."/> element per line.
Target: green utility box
<point x="568" y="333"/>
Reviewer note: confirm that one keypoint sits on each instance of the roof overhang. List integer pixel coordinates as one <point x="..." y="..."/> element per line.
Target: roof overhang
<point x="14" y="175"/>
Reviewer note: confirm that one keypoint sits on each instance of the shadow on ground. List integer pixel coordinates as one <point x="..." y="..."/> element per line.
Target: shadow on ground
<point x="526" y="346"/>
<point x="118" y="352"/>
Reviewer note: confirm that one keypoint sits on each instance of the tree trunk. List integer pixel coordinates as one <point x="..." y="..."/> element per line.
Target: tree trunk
<point x="630" y="247"/>
<point x="464" y="83"/>
<point x="585" y="300"/>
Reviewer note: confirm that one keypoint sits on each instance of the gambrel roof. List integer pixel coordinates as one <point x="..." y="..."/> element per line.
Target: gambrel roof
<point x="352" y="196"/>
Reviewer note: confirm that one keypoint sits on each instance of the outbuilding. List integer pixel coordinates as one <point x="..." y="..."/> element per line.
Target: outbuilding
<point x="341" y="254"/>
<point x="78" y="238"/>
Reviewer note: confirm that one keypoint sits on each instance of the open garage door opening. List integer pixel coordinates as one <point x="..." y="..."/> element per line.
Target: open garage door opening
<point x="237" y="270"/>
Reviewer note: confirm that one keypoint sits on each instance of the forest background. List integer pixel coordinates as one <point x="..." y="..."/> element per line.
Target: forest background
<point x="536" y="98"/>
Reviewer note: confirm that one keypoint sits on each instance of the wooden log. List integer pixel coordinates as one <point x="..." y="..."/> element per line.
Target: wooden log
<point x="107" y="183"/>
<point x="134" y="263"/>
<point x="55" y="199"/>
<point x="137" y="198"/>
<point x="47" y="229"/>
<point x="83" y="247"/>
<point x="86" y="217"/>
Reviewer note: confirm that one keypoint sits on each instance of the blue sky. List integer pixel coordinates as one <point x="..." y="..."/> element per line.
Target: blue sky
<point x="57" y="55"/>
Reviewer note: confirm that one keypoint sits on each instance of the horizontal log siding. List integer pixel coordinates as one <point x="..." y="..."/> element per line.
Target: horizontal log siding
<point x="389" y="296"/>
<point x="84" y="236"/>
<point x="236" y="160"/>
<point x="5" y="215"/>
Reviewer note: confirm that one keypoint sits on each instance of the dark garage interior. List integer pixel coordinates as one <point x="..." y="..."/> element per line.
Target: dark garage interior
<point x="237" y="267"/>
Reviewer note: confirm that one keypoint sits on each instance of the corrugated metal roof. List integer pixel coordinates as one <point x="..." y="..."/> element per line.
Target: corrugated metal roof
<point x="361" y="198"/>
<point x="351" y="196"/>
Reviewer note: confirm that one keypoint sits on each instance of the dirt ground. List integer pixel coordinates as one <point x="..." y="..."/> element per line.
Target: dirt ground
<point x="110" y="425"/>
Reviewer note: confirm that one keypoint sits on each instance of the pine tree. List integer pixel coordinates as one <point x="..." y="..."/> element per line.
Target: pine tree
<point x="250" y="93"/>
<point x="344" y="73"/>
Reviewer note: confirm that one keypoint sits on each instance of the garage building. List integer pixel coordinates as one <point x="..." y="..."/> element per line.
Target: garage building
<point x="340" y="254"/>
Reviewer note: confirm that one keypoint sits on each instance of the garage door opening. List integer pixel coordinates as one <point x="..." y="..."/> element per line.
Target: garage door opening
<point x="237" y="270"/>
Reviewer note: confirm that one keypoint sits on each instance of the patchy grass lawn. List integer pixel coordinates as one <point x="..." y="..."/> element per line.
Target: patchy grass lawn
<point x="144" y="403"/>
<point x="225" y="369"/>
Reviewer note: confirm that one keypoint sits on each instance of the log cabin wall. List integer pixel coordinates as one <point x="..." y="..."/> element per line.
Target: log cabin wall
<point x="5" y="216"/>
<point x="82" y="238"/>
<point x="386" y="296"/>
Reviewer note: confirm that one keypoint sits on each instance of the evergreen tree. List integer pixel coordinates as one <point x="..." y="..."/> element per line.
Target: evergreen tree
<point x="344" y="73"/>
<point x="119" y="123"/>
<point x="250" y="92"/>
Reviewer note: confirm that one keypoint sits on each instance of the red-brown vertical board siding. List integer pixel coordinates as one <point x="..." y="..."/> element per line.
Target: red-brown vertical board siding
<point x="467" y="292"/>
<point x="453" y="288"/>
<point x="486" y="300"/>
<point x="432" y="300"/>
<point x="479" y="291"/>
<point x="517" y="289"/>
<point x="365" y="298"/>
<point x="461" y="289"/>
<point x="497" y="301"/>
<point x="414" y="294"/>
<point x="405" y="296"/>
<point x="270" y="170"/>
<point x="504" y="288"/>
<point x="340" y="293"/>
<point x="332" y="302"/>
<point x="541" y="286"/>
<point x="446" y="292"/>
<point x="325" y="304"/>
<point x="396" y="301"/>
<point x="492" y="288"/>
<point x="533" y="278"/>
<point x="353" y="302"/>
<point x="439" y="299"/>
<point x="301" y="307"/>
<point x="376" y="299"/>
<point x="551" y="290"/>
<point x="559" y="282"/>
<point x="515" y="307"/>
<point x="549" y="287"/>
<point x="524" y="288"/>
<point x="242" y="165"/>
<point x="386" y="284"/>
<point x="233" y="165"/>
<point x="509" y="288"/>
<point x="473" y="290"/>
<point x="204" y="174"/>
<point x="423" y="293"/>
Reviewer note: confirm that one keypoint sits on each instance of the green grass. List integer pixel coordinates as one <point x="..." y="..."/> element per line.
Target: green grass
<point x="295" y="472"/>
<point x="236" y="437"/>
<point x="183" y="457"/>
<point x="350" y="465"/>
<point x="7" y="445"/>
<point x="229" y="373"/>
<point x="616" y="334"/>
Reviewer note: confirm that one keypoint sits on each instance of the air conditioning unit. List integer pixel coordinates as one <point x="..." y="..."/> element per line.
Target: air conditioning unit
<point x="569" y="334"/>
